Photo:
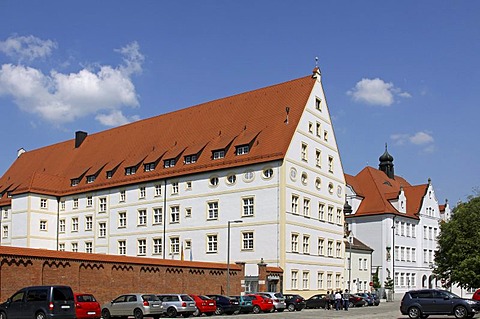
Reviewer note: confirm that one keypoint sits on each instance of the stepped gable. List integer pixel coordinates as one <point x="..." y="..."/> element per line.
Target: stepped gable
<point x="256" y="118"/>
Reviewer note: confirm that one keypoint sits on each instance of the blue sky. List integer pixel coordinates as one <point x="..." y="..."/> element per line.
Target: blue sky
<point x="404" y="73"/>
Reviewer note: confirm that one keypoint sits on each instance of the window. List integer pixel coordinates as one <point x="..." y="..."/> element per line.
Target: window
<point x="321" y="211"/>
<point x="158" y="190"/>
<point x="242" y="149"/>
<point x="157" y="246"/>
<point x="43" y="203"/>
<point x="75" y="182"/>
<point x="402" y="253"/>
<point x="414" y="234"/>
<point x="102" y="229"/>
<point x="414" y="255"/>
<point x="174" y="214"/>
<point x="123" y="196"/>
<point x="90" y="179"/>
<point x="310" y="127"/>
<point x="402" y="229"/>
<point x="142" y="192"/>
<point x="174" y="188"/>
<point x="231" y="179"/>
<point x="304" y="178"/>
<point x="188" y="212"/>
<point x="294" y="279"/>
<point x="248" y="206"/>
<point x="188" y="244"/>
<point x="330" y="164"/>
<point x="318" y="104"/>
<point x="306" y="244"/>
<point x="188" y="185"/>
<point x="318" y="158"/>
<point x="122" y="247"/>
<point x="212" y="210"/>
<point x="74" y="224"/>
<point x="61" y="247"/>
<point x="338" y="250"/>
<point x="267" y="173"/>
<point x="337" y="280"/>
<point x="295" y="243"/>
<point x="247" y="240"/>
<point x="174" y="245"/>
<point x="294" y="204"/>
<point x="130" y="170"/>
<point x="190" y="159"/>
<point x="142" y="217"/>
<point x="142" y="247"/>
<point x="74" y="247"/>
<point x="5" y="231"/>
<point x="157" y="215"/>
<point x="325" y="136"/>
<point x="169" y="163"/>
<point x="218" y="154"/>
<point x="249" y="175"/>
<point x="102" y="205"/>
<point x="306" y="280"/>
<point x="89" y="247"/>
<point x="75" y="203"/>
<point x="330" y="248"/>
<point x="339" y="216"/>
<point x="318" y="130"/>
<point x="306" y="207"/>
<point x="212" y="242"/>
<point x="330" y="214"/>
<point x="304" y="152"/>
<point x="89" y="201"/>
<point x="88" y="223"/>
<point x="149" y="167"/>
<point x="320" y="280"/>
<point x="122" y="219"/>
<point x="109" y="174"/>
<point x="62" y="205"/>
<point x="214" y="181"/>
<point x="321" y="247"/>
<point x="329" y="281"/>
<point x="61" y="225"/>
<point x="425" y="234"/>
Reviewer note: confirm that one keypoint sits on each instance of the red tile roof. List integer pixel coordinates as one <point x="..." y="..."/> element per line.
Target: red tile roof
<point x="257" y="115"/>
<point x="378" y="190"/>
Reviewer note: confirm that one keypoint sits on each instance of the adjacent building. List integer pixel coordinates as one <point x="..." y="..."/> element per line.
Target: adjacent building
<point x="252" y="178"/>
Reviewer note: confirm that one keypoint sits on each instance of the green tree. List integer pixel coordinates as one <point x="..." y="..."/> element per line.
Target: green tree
<point x="388" y="283"/>
<point x="376" y="280"/>
<point x="457" y="260"/>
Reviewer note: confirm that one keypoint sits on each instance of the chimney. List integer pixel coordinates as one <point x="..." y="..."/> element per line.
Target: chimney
<point x="80" y="136"/>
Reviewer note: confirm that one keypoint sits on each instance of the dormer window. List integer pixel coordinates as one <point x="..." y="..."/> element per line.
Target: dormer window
<point x="190" y="159"/>
<point x="149" y="167"/>
<point x="242" y="149"/>
<point x="130" y="170"/>
<point x="169" y="163"/>
<point x="90" y="179"/>
<point x="318" y="104"/>
<point x="75" y="181"/>
<point x="218" y="154"/>
<point x="109" y="174"/>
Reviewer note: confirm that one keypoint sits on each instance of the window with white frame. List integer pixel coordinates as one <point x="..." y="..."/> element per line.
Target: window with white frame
<point x="306" y="207"/>
<point x="402" y="253"/>
<point x="306" y="244"/>
<point x="74" y="247"/>
<point x="337" y="280"/>
<point x="318" y="130"/>
<point x="231" y="179"/>
<point x="89" y="201"/>
<point x="397" y="253"/>
<point x="339" y="216"/>
<point x="212" y="243"/>
<point x="320" y="280"/>
<point x="425" y="232"/>
<point x="294" y="204"/>
<point x="414" y="255"/>
<point x="174" y="245"/>
<point x="89" y="247"/>
<point x="122" y="247"/>
<point x="169" y="163"/>
<point x="61" y="246"/>
<point x="325" y="135"/>
<point x="414" y="234"/>
<point x="142" y="192"/>
<point x="90" y="179"/>
<point x="102" y="205"/>
<point x="190" y="159"/>
<point x="157" y="246"/>
<point x="306" y="280"/>
<point x="188" y="212"/>
<point x="329" y="281"/>
<point x="338" y="249"/>
<point x="102" y="229"/>
<point x="407" y="254"/>
<point x="267" y="173"/>
<point x="247" y="240"/>
<point x="212" y="212"/>
<point x="157" y="215"/>
<point x="294" y="275"/>
<point x="62" y="205"/>
<point x="74" y="224"/>
<point x="218" y="154"/>
<point x="158" y="190"/>
<point x="142" y="247"/>
<point x="425" y="257"/>
<point x="75" y="203"/>
<point x="321" y="211"/>
<point x="310" y="127"/>
<point x="242" y="149"/>
<point x="188" y="185"/>
<point x="174" y="188"/>
<point x="318" y="104"/>
<point x="148" y="167"/>
<point x="123" y="196"/>
<point x="294" y="243"/>
<point x="174" y="214"/>
<point x="318" y="158"/>
<point x="330" y="164"/>
<point x="43" y="203"/>
<point x="330" y="248"/>
<point x="248" y="206"/>
<point x="402" y="229"/>
<point x="330" y="214"/>
<point x="130" y="170"/>
<point x="5" y="231"/>
<point x="213" y="181"/>
<point x="122" y="219"/>
<point x="61" y="225"/>
<point x="109" y="174"/>
<point x="88" y="222"/>
<point x="142" y="217"/>
<point x="304" y="152"/>
<point x="321" y="247"/>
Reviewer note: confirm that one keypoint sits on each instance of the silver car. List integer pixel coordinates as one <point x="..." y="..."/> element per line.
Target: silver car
<point x="178" y="304"/>
<point x="278" y="299"/>
<point x="135" y="304"/>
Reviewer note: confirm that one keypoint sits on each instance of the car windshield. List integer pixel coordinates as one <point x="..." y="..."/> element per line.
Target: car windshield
<point x="150" y="298"/>
<point x="204" y="298"/>
<point x="278" y="295"/>
<point x="86" y="298"/>
<point x="186" y="298"/>
<point x="62" y="293"/>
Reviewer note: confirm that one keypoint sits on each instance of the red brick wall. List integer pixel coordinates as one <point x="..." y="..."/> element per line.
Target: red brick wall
<point x="108" y="276"/>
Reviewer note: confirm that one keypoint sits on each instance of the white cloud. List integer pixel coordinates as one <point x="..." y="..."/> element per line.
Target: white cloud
<point x="115" y="118"/>
<point x="61" y="98"/>
<point x="376" y="92"/>
<point x="27" y="48"/>
<point x="420" y="139"/>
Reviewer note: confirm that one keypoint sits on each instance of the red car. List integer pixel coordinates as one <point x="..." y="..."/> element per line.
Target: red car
<point x="87" y="307"/>
<point x="476" y="295"/>
<point x="204" y="305"/>
<point x="261" y="303"/>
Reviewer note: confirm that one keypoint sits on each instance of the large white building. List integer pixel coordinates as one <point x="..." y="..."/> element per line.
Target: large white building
<point x="263" y="164"/>
<point x="399" y="221"/>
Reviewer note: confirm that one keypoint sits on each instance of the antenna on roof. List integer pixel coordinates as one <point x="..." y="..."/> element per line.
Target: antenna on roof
<point x="287" y="109"/>
<point x="316" y="61"/>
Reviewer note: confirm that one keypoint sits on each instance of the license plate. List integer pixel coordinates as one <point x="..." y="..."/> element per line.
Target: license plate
<point x="91" y="313"/>
<point x="210" y="304"/>
<point x="65" y="307"/>
<point x="155" y="306"/>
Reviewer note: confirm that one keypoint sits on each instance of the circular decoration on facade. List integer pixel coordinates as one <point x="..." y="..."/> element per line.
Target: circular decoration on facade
<point x="231" y="179"/>
<point x="330" y="188"/>
<point x="304" y="178"/>
<point x="267" y="173"/>
<point x="339" y="191"/>
<point x="293" y="174"/>
<point x="318" y="183"/>
<point x="248" y="176"/>
<point x="214" y="181"/>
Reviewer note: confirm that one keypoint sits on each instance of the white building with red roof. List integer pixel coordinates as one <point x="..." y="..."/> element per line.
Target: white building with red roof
<point x="399" y="221"/>
<point x="263" y="164"/>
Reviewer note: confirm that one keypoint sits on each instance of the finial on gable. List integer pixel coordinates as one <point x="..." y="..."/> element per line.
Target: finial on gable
<point x="316" y="71"/>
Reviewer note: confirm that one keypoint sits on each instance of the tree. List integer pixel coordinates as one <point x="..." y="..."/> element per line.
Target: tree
<point x="376" y="280"/>
<point x="457" y="260"/>
<point x="388" y="283"/>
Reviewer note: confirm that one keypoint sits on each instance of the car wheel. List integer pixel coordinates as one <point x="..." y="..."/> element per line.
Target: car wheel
<point x="219" y="311"/>
<point x="40" y="315"/>
<point x="256" y="309"/>
<point x="414" y="313"/>
<point x="197" y="313"/>
<point x="3" y="315"/>
<point x="138" y="314"/>
<point x="291" y="307"/>
<point x="106" y="314"/>
<point x="460" y="312"/>
<point x="171" y="312"/>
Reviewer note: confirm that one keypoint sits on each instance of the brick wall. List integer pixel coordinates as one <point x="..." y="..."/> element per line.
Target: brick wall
<point x="107" y="276"/>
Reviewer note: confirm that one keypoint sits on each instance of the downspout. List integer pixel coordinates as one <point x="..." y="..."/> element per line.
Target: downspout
<point x="164" y="219"/>
<point x="58" y="221"/>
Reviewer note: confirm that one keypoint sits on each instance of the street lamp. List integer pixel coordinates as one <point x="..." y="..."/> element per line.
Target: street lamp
<point x="347" y="210"/>
<point x="228" y="253"/>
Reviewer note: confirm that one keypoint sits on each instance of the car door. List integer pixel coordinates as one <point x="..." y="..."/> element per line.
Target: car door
<point x="426" y="301"/>
<point x="443" y="302"/>
<point x="117" y="306"/>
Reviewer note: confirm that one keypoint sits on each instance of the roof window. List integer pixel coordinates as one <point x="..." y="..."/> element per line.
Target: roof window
<point x="190" y="159"/>
<point x="169" y="163"/>
<point x="148" y="167"/>
<point x="242" y="149"/>
<point x="91" y="179"/>
<point x="75" y="182"/>
<point x="130" y="170"/>
<point x="218" y="154"/>
<point x="109" y="174"/>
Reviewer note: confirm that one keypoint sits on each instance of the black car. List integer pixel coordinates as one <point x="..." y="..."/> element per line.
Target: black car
<point x="225" y="304"/>
<point x="425" y="302"/>
<point x="294" y="302"/>
<point x="369" y="298"/>
<point x="316" y="301"/>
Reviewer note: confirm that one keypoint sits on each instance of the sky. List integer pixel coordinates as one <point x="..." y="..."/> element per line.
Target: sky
<point x="405" y="73"/>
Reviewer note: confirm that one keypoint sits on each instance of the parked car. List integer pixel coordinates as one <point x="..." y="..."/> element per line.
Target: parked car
<point x="177" y="304"/>
<point x="261" y="303"/>
<point x="294" y="302"/>
<point x="316" y="301"/>
<point x="40" y="302"/>
<point x="204" y="305"/>
<point x="476" y="295"/>
<point x="87" y="307"/>
<point x="376" y="298"/>
<point x="134" y="304"/>
<point x="225" y="304"/>
<point x="369" y="298"/>
<point x="278" y="300"/>
<point x="425" y="302"/>
<point x="356" y="301"/>
<point x="245" y="302"/>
